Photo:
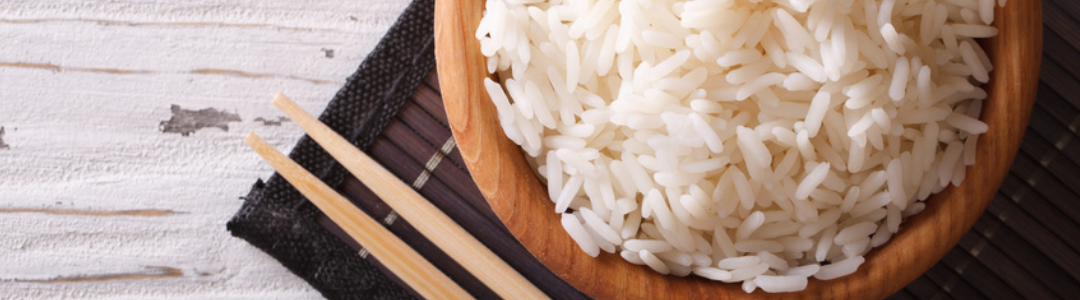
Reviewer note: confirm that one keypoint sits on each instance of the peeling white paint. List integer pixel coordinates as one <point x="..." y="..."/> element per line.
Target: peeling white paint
<point x="83" y="88"/>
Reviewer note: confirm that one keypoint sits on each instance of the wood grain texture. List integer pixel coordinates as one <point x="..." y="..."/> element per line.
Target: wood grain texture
<point x="516" y="195"/>
<point x="95" y="201"/>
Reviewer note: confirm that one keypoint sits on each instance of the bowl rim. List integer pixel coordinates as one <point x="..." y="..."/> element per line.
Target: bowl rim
<point x="504" y="177"/>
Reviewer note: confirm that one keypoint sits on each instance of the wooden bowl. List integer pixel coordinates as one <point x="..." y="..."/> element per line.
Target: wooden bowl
<point x="499" y="168"/>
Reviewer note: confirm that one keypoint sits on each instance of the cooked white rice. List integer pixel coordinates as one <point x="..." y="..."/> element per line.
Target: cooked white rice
<point x="753" y="141"/>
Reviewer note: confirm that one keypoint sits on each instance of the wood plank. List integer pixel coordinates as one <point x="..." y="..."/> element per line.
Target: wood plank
<point x="96" y="201"/>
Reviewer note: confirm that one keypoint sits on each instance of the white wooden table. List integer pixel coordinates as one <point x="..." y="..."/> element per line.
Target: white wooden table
<point x="96" y="201"/>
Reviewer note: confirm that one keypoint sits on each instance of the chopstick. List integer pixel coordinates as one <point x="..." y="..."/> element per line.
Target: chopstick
<point x="397" y="256"/>
<point x="421" y="214"/>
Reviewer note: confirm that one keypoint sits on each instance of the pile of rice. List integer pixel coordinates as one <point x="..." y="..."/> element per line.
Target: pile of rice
<point x="752" y="141"/>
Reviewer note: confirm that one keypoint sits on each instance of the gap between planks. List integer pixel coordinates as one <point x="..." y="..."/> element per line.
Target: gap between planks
<point x="152" y="272"/>
<point x="182" y="24"/>
<point x="225" y="72"/>
<point x="102" y="213"/>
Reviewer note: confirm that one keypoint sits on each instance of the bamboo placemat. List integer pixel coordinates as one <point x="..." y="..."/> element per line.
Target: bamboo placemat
<point x="1026" y="244"/>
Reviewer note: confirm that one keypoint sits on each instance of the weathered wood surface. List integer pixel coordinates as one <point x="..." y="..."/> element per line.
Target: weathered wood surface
<point x="121" y="156"/>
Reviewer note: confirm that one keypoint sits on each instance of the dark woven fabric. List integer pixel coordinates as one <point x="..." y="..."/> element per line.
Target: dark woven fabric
<point x="278" y="220"/>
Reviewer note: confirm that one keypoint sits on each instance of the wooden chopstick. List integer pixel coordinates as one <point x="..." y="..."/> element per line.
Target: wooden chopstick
<point x="397" y="256"/>
<point x="421" y="214"/>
